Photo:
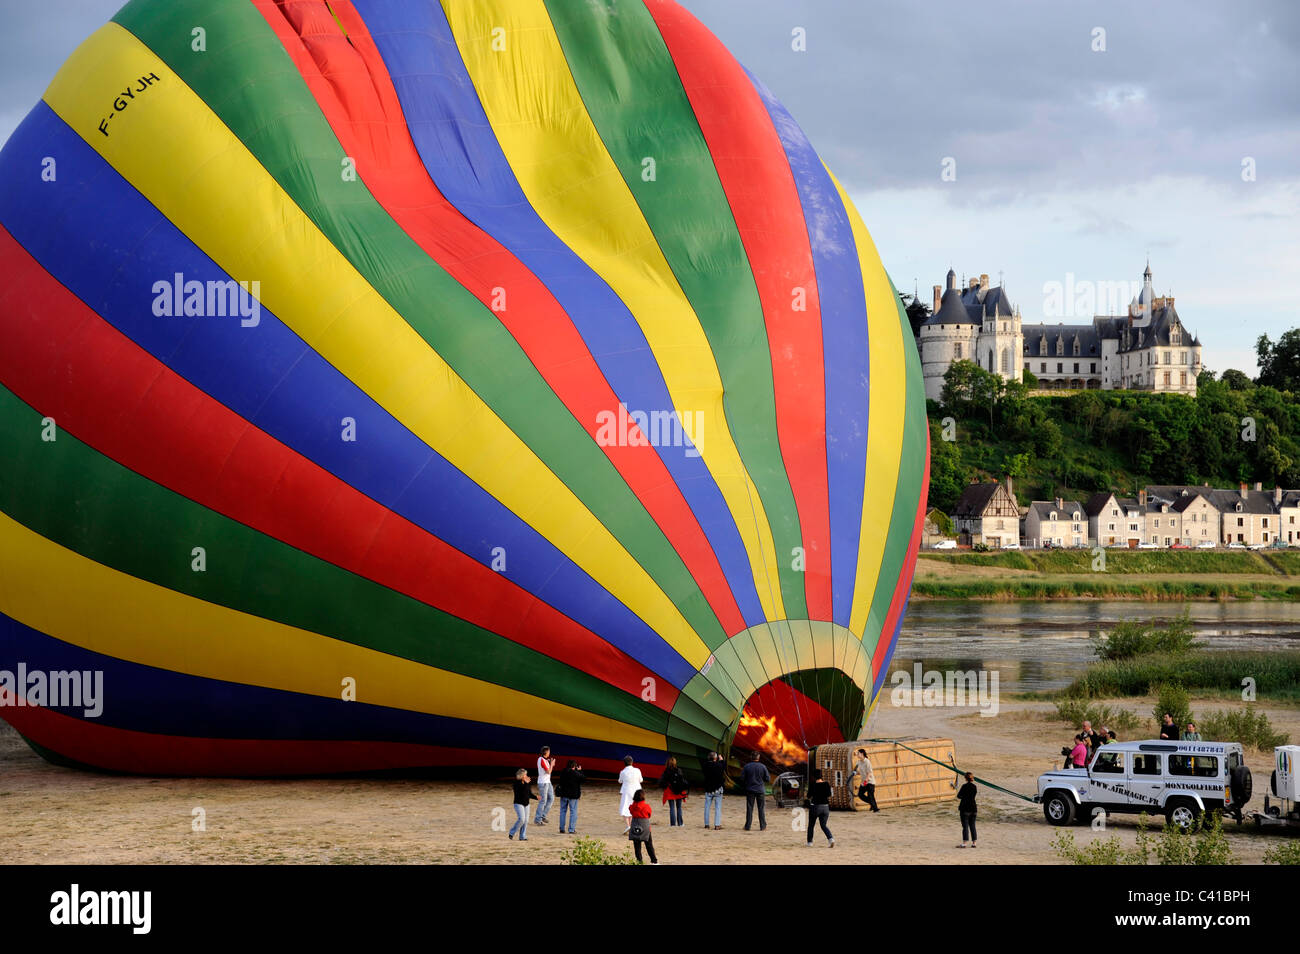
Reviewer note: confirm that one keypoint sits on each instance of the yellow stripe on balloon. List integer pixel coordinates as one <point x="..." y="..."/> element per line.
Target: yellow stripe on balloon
<point x="576" y="188"/>
<point x="59" y="592"/>
<point x="884" y="423"/>
<point x="172" y="148"/>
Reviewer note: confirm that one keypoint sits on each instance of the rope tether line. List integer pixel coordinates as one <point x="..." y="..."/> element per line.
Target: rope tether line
<point x="952" y="768"/>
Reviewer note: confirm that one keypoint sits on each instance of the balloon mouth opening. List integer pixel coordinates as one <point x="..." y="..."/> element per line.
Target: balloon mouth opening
<point x="771" y="736"/>
<point x="782" y="724"/>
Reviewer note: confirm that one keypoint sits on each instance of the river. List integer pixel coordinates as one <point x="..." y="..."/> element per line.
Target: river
<point x="1037" y="646"/>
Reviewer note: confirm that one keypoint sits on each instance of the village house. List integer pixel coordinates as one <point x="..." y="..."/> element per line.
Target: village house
<point x="1288" y="515"/>
<point x="1062" y="523"/>
<point x="1179" y="514"/>
<point x="987" y="513"/>
<point x="1248" y="517"/>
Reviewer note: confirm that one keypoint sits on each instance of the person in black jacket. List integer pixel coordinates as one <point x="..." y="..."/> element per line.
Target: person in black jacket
<point x="715" y="779"/>
<point x="819" y="806"/>
<point x="1169" y="728"/>
<point x="966" y="809"/>
<point x="570" y="790"/>
<point x="523" y="795"/>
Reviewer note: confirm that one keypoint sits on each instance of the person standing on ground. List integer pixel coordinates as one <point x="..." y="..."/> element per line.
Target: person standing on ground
<point x="640" y="810"/>
<point x="755" y="777"/>
<point x="675" y="789"/>
<point x="819" y="807"/>
<point x="545" y="790"/>
<point x="715" y="780"/>
<point x="866" y="780"/>
<point x="966" y="809"/>
<point x="1079" y="754"/>
<point x="523" y="796"/>
<point x="1168" y="730"/>
<point x="570" y="790"/>
<point x="629" y="783"/>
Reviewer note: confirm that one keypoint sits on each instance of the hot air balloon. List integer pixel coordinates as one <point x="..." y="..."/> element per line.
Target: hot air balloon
<point x="391" y="384"/>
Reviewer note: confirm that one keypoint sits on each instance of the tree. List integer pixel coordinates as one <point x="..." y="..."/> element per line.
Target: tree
<point x="959" y="386"/>
<point x="1029" y="379"/>
<point x="917" y="312"/>
<point x="1236" y="380"/>
<point x="1279" y="364"/>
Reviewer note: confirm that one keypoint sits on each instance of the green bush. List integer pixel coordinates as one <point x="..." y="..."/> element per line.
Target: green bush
<point x="593" y="851"/>
<point x="1171" y="698"/>
<point x="1287" y="853"/>
<point x="1205" y="844"/>
<point x="1131" y="639"/>
<point x="1247" y="726"/>
<point x="1078" y="711"/>
<point x="1274" y="673"/>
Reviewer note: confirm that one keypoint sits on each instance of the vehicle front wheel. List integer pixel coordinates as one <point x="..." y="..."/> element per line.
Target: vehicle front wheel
<point x="1182" y="813"/>
<point x="1058" y="809"/>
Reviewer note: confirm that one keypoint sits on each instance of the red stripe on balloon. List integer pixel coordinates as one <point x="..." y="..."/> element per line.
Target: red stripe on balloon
<point x="114" y="749"/>
<point x="63" y="359"/>
<point x="350" y="82"/>
<point x="761" y="191"/>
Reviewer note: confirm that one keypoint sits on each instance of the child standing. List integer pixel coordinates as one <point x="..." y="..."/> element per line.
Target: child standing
<point x="523" y="795"/>
<point x="640" y="810"/>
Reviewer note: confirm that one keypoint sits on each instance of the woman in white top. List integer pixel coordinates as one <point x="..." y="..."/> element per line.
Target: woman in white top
<point x="629" y="781"/>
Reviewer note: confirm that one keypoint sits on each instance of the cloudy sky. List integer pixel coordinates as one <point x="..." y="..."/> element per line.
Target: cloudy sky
<point x="1072" y="162"/>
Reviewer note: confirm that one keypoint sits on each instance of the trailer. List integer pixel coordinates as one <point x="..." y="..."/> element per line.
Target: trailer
<point x="1282" y="803"/>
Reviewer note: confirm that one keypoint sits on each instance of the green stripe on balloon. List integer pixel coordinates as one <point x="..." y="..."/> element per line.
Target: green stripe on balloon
<point x="643" y="112"/>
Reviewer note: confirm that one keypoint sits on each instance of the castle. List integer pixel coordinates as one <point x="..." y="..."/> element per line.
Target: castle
<point x="1147" y="348"/>
<point x="976" y="323"/>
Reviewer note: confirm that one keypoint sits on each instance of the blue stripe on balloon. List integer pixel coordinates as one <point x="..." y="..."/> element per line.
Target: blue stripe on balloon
<point x="463" y="158"/>
<point x="107" y="244"/>
<point x="845" y="346"/>
<point x="159" y="701"/>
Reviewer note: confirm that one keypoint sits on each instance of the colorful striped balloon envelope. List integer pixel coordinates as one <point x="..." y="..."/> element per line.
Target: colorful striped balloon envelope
<point x="394" y="384"/>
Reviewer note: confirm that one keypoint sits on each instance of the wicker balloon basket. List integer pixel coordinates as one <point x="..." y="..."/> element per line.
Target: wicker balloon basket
<point x="903" y="777"/>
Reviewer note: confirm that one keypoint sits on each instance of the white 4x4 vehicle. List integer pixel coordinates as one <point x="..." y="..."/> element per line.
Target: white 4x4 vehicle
<point x="1180" y="779"/>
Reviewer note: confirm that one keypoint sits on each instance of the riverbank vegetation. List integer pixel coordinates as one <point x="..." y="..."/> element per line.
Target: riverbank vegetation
<point x="1165" y="661"/>
<point x="1102" y="588"/>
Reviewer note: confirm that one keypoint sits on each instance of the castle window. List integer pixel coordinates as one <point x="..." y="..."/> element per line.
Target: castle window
<point x="1167" y="357"/>
<point x="1060" y="346"/>
<point x="1042" y="367"/>
<point x="956" y="351"/>
<point x="1076" y="346"/>
<point x="1006" y="360"/>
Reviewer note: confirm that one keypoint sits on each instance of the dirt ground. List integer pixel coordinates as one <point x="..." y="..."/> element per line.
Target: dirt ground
<point x="56" y="815"/>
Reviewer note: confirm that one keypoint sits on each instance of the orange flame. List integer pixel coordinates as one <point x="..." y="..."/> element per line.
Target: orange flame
<point x="763" y="734"/>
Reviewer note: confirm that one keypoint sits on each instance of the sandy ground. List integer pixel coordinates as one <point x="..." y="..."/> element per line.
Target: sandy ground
<point x="55" y="815"/>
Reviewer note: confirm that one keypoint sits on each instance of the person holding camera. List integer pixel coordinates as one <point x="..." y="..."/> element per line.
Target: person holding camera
<point x="545" y="790"/>
<point x="570" y="790"/>
<point x="715" y="780"/>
